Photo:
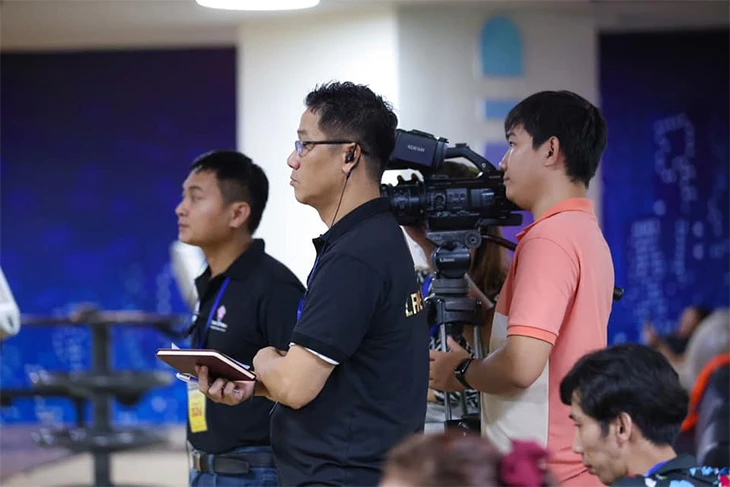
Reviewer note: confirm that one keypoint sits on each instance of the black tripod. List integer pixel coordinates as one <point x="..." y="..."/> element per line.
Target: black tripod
<point x="450" y="308"/>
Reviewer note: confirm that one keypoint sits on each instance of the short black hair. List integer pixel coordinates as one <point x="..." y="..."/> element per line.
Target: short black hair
<point x="351" y="111"/>
<point x="578" y="125"/>
<point x="630" y="378"/>
<point x="239" y="179"/>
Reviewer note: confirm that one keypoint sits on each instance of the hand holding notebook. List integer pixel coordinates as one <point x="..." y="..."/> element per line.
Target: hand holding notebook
<point x="220" y="365"/>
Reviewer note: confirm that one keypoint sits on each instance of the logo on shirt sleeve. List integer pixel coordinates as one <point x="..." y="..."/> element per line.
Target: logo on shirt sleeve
<point x="414" y="304"/>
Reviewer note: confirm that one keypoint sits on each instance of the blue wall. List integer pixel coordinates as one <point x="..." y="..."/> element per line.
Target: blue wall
<point x="95" y="147"/>
<point x="665" y="173"/>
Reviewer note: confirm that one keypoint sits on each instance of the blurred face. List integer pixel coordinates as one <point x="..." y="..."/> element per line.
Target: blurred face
<point x="602" y="454"/>
<point x="317" y="169"/>
<point x="203" y="217"/>
<point x="522" y="168"/>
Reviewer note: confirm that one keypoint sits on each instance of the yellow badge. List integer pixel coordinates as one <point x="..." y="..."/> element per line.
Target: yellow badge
<point x="196" y="409"/>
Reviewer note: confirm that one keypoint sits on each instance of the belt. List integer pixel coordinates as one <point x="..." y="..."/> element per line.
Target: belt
<point x="230" y="464"/>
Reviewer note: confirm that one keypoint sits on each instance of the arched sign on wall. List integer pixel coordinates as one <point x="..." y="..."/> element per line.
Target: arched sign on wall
<point x="500" y="56"/>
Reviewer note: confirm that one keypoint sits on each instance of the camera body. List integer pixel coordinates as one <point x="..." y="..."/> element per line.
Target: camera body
<point x="440" y="203"/>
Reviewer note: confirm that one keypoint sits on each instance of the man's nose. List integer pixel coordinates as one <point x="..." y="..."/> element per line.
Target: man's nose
<point x="179" y="209"/>
<point x="293" y="160"/>
<point x="503" y="163"/>
<point x="577" y="447"/>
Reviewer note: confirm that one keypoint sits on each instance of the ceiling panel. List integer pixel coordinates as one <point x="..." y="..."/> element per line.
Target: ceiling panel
<point x="69" y="24"/>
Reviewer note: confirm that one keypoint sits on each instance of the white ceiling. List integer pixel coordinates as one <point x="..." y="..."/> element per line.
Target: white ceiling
<point x="72" y="24"/>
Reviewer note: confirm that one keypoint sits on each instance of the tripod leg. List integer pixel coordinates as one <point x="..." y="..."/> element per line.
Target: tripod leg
<point x="447" y="402"/>
<point x="478" y="353"/>
<point x="462" y="400"/>
<point x="478" y="345"/>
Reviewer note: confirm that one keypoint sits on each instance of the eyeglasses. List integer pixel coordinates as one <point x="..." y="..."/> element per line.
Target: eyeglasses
<point x="301" y="145"/>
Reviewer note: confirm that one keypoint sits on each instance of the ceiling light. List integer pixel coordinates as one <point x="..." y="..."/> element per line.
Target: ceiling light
<point x="258" y="4"/>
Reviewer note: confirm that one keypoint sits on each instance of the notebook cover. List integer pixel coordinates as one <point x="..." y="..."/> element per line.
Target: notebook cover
<point x="184" y="361"/>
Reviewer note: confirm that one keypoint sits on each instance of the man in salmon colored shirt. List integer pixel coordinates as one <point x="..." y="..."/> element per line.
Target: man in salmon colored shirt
<point x="555" y="303"/>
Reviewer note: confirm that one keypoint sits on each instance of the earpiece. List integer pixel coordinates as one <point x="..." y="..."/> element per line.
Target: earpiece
<point x="353" y="168"/>
<point x="348" y="159"/>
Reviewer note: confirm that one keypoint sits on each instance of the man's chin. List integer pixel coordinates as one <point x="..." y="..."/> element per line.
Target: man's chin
<point x="300" y="197"/>
<point x="604" y="480"/>
<point x="186" y="239"/>
<point x="510" y="195"/>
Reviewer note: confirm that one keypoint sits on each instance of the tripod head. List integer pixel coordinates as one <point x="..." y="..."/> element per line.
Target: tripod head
<point x="448" y="303"/>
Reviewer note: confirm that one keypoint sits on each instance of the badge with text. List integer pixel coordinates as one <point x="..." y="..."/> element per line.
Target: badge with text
<point x="218" y="324"/>
<point x="196" y="409"/>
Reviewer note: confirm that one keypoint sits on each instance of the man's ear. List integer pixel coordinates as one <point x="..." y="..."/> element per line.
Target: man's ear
<point x="624" y="427"/>
<point x="351" y="154"/>
<point x="551" y="149"/>
<point x="240" y="212"/>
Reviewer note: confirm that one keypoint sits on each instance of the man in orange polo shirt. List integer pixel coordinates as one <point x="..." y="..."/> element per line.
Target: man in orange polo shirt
<point x="555" y="303"/>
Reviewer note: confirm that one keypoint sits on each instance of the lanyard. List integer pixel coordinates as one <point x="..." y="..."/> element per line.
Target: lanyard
<point x="201" y="338"/>
<point x="424" y="292"/>
<point x="655" y="468"/>
<point x="426" y="285"/>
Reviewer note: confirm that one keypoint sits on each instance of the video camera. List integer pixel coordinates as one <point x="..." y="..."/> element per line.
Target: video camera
<point x="445" y="205"/>
<point x="454" y="211"/>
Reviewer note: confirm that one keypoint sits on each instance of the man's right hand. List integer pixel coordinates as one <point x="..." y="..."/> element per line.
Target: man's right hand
<point x="223" y="391"/>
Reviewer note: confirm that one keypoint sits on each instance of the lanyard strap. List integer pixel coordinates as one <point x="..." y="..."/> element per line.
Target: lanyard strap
<point x="653" y="469"/>
<point x="202" y="337"/>
<point x="425" y="290"/>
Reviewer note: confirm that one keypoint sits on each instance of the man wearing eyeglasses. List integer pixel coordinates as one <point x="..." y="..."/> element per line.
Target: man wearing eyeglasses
<point x="354" y="380"/>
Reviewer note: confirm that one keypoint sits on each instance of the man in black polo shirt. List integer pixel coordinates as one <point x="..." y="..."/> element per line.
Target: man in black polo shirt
<point x="248" y="301"/>
<point x="353" y="382"/>
<point x="355" y="378"/>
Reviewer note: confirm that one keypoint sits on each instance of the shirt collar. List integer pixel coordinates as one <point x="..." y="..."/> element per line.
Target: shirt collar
<point x="680" y="462"/>
<point x="572" y="204"/>
<point x="351" y="220"/>
<point x="241" y="268"/>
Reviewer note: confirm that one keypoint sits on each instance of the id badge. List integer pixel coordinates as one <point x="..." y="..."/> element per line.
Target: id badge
<point x="196" y="409"/>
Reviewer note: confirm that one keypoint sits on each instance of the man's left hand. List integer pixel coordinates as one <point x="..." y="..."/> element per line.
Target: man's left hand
<point x="441" y="370"/>
<point x="223" y="391"/>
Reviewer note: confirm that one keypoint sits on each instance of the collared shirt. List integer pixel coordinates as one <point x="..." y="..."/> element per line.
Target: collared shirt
<point x="257" y="309"/>
<point x="560" y="290"/>
<point x="364" y="311"/>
